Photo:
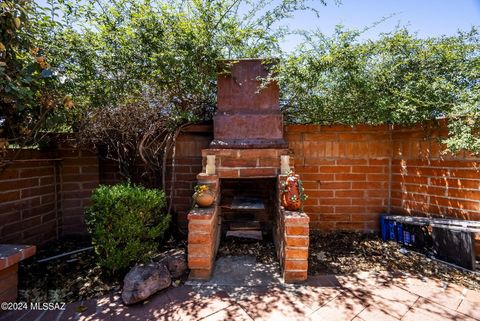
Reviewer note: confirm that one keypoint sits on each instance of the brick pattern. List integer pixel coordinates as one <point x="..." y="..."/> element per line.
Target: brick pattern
<point x="241" y="163"/>
<point x="184" y="181"/>
<point x="345" y="173"/>
<point x="10" y="255"/>
<point x="8" y="283"/>
<point x="427" y="182"/>
<point x="43" y="194"/>
<point x="204" y="233"/>
<point x="79" y="173"/>
<point x="29" y="190"/>
<point x="296" y="235"/>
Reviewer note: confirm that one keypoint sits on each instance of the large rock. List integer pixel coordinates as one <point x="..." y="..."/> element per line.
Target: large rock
<point x="144" y="280"/>
<point x="176" y="262"/>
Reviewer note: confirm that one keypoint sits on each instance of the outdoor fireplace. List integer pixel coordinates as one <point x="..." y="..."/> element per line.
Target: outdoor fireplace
<point x="243" y="166"/>
<point x="247" y="207"/>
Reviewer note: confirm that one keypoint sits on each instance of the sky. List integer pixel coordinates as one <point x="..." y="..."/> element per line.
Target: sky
<point x="426" y="17"/>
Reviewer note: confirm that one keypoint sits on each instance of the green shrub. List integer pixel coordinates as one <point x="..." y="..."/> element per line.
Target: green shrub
<point x="125" y="222"/>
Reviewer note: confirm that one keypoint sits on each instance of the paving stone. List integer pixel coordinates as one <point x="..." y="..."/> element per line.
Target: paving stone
<point x="275" y="304"/>
<point x="51" y="315"/>
<point x="323" y="281"/>
<point x="472" y="309"/>
<point x="313" y="297"/>
<point x="18" y="315"/>
<point x="434" y="291"/>
<point x="244" y="271"/>
<point x="360" y="298"/>
<point x="234" y="312"/>
<point x="343" y="307"/>
<point x="196" y="308"/>
<point x="424" y="310"/>
<point x="374" y="313"/>
<point x="394" y="300"/>
<point x="472" y="296"/>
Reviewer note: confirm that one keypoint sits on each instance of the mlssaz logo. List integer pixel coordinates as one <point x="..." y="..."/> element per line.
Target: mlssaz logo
<point x="45" y="306"/>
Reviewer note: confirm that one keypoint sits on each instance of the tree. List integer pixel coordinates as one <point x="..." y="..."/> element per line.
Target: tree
<point x="31" y="99"/>
<point x="397" y="79"/>
<point x="141" y="70"/>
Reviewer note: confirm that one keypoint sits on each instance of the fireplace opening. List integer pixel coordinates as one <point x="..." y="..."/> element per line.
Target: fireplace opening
<point x="247" y="208"/>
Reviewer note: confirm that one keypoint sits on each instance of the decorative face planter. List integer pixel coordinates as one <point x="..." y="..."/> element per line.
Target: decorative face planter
<point x="292" y="195"/>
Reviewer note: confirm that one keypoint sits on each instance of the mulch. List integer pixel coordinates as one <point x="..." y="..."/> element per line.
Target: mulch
<point x="350" y="252"/>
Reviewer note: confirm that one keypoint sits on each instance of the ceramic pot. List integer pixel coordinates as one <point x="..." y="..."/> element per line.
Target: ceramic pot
<point x="204" y="199"/>
<point x="291" y="199"/>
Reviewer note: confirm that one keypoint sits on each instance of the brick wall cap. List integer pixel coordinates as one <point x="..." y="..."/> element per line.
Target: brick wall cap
<point x="201" y="213"/>
<point x="206" y="177"/>
<point x="11" y="254"/>
<point x="294" y="214"/>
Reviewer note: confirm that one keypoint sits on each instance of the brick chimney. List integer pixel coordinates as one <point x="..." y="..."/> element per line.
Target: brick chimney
<point x="248" y="115"/>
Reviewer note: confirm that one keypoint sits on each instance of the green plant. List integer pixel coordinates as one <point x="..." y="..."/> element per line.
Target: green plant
<point x="31" y="94"/>
<point x="399" y="78"/>
<point x="125" y="222"/>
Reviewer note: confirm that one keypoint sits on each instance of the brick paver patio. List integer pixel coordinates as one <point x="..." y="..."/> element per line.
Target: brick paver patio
<point x="361" y="297"/>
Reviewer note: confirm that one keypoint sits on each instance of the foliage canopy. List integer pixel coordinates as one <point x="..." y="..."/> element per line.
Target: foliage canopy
<point x="31" y="96"/>
<point x="397" y="79"/>
<point x="156" y="60"/>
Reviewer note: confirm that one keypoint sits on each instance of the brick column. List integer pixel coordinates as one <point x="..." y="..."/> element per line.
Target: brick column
<point x="291" y="238"/>
<point x="10" y="255"/>
<point x="296" y="241"/>
<point x="203" y="233"/>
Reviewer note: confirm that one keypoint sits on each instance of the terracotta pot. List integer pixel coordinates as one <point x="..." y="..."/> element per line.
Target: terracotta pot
<point x="204" y="199"/>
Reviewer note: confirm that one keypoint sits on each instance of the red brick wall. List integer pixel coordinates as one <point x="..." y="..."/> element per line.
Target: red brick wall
<point x="427" y="182"/>
<point x="345" y="173"/>
<point x="348" y="174"/>
<point x="188" y="157"/>
<point x="29" y="190"/>
<point x="79" y="173"/>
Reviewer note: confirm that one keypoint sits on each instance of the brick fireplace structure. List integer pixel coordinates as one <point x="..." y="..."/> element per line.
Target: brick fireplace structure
<point x="246" y="151"/>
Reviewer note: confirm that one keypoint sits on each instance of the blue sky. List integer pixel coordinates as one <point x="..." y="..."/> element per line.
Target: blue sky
<point x="427" y="17"/>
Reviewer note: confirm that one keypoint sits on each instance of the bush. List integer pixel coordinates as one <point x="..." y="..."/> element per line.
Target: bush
<point x="125" y="222"/>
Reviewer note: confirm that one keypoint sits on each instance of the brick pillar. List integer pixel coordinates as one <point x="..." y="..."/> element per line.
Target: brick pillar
<point x="204" y="233"/>
<point x="10" y="255"/>
<point x="9" y="282"/>
<point x="291" y="238"/>
<point x="296" y="241"/>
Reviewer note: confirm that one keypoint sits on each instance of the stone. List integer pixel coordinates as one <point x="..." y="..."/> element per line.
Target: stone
<point x="176" y="262"/>
<point x="145" y="280"/>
